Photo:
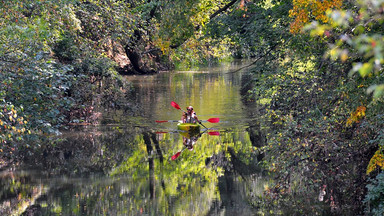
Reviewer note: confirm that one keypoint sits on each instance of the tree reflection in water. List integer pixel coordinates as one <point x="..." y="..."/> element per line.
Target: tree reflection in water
<point x="131" y="173"/>
<point x="124" y="168"/>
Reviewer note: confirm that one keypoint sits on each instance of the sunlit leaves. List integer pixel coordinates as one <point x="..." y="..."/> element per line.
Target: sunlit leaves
<point x="356" y="116"/>
<point x="12" y="125"/>
<point x="377" y="161"/>
<point x="361" y="39"/>
<point x="377" y="90"/>
<point x="102" y="21"/>
<point x="317" y="125"/>
<point x="304" y="11"/>
<point x="181" y="24"/>
<point x="32" y="83"/>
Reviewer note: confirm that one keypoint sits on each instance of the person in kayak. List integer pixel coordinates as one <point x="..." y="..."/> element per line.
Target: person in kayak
<point x="189" y="143"/>
<point x="189" y="116"/>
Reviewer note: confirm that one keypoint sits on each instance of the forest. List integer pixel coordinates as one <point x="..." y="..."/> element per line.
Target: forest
<point x="316" y="79"/>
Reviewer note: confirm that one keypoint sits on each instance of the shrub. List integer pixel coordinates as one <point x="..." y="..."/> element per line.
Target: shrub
<point x="374" y="200"/>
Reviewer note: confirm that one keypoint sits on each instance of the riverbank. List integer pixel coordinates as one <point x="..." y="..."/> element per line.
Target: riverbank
<point x="321" y="136"/>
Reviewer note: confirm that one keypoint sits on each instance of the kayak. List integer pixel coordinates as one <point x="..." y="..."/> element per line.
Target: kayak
<point x="188" y="130"/>
<point x="190" y="127"/>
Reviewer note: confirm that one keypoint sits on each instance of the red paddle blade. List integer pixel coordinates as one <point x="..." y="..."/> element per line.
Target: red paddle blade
<point x="213" y="120"/>
<point x="158" y="121"/>
<point x="214" y="133"/>
<point x="174" y="104"/>
<point x="176" y="156"/>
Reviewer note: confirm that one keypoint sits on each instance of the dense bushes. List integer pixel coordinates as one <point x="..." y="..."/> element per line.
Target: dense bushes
<point x="374" y="200"/>
<point x="325" y="130"/>
<point x="49" y="75"/>
<point x="310" y="145"/>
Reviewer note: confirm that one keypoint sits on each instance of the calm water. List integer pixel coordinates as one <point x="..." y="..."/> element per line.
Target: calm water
<point x="124" y="167"/>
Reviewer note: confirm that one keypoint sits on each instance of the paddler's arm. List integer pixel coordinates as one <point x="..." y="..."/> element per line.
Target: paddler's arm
<point x="195" y="117"/>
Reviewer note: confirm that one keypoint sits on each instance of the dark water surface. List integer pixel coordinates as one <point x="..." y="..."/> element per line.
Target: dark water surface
<point x="125" y="167"/>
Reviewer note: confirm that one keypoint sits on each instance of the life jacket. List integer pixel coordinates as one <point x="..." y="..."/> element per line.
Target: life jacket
<point x="191" y="118"/>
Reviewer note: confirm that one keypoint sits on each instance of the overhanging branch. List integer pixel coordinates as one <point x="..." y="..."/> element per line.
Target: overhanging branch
<point x="210" y="18"/>
<point x="254" y="62"/>
<point x="222" y="9"/>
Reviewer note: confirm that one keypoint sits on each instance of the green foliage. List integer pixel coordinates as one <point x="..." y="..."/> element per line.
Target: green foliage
<point x="309" y="144"/>
<point x="252" y="29"/>
<point x="12" y="127"/>
<point x="99" y="83"/>
<point x="97" y="67"/>
<point x="357" y="41"/>
<point x="38" y="93"/>
<point x="102" y="21"/>
<point x="66" y="50"/>
<point x="32" y="83"/>
<point x="181" y="33"/>
<point x="364" y="47"/>
<point x="30" y="77"/>
<point x="318" y="113"/>
<point x="374" y="199"/>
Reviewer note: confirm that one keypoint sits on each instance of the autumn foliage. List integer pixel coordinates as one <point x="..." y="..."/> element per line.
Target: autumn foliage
<point x="377" y="161"/>
<point x="356" y="116"/>
<point x="305" y="11"/>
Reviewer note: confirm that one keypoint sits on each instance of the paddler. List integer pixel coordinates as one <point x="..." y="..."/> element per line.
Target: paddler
<point x="189" y="116"/>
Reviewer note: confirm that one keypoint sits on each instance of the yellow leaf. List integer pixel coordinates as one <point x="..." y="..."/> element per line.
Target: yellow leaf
<point x="344" y="56"/>
<point x="366" y="69"/>
<point x="356" y="116"/>
<point x="376" y="161"/>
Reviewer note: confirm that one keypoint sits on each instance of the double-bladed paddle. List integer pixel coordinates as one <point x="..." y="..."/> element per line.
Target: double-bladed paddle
<point x="174" y="104"/>
<point x="212" y="133"/>
<point x="211" y="120"/>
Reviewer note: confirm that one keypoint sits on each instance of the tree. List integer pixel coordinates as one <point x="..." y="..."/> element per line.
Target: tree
<point x="31" y="81"/>
<point x="43" y="74"/>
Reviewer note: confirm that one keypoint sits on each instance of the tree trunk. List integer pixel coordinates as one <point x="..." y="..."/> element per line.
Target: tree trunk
<point x="134" y="56"/>
<point x="135" y="59"/>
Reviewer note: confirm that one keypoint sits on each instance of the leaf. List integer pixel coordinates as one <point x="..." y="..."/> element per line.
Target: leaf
<point x="365" y="69"/>
<point x="344" y="55"/>
<point x="376" y="161"/>
<point x="377" y="90"/>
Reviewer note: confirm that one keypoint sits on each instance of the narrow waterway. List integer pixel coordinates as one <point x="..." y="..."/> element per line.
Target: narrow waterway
<point x="135" y="166"/>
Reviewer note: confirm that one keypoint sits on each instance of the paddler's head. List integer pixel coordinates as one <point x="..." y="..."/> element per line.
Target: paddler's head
<point x="189" y="109"/>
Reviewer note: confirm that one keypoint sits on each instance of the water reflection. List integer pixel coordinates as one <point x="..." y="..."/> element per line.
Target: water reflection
<point x="126" y="168"/>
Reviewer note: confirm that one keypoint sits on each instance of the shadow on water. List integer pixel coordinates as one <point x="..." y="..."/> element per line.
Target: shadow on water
<point x="128" y="166"/>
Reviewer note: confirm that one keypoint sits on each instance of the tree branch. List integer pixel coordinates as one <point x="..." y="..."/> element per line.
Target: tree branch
<point x="254" y="62"/>
<point x="222" y="9"/>
<point x="210" y="18"/>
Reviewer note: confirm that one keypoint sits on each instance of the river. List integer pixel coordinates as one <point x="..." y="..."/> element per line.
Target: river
<point x="135" y="166"/>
